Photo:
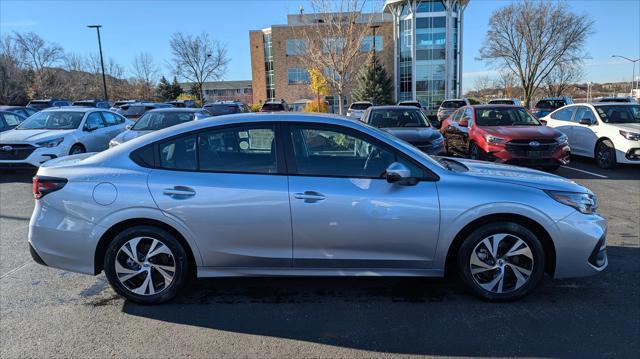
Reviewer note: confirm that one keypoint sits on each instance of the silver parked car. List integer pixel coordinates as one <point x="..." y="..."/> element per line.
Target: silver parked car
<point x="158" y="119"/>
<point x="57" y="132"/>
<point x="306" y="195"/>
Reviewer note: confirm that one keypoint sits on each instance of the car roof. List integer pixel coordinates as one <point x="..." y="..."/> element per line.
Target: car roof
<point x="393" y="107"/>
<point x="598" y="104"/>
<point x="177" y="109"/>
<point x="494" y="105"/>
<point x="72" y="109"/>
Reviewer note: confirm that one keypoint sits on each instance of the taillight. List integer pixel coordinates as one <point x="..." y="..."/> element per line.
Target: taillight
<point x="44" y="185"/>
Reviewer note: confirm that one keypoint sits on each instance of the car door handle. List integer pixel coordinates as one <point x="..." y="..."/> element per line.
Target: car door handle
<point x="179" y="192"/>
<point x="309" y="196"/>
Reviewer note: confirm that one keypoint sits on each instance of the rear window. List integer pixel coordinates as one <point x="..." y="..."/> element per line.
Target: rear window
<point x="84" y="103"/>
<point x="453" y="104"/>
<point x="128" y="110"/>
<point x="39" y="104"/>
<point x="410" y="103"/>
<point x="273" y="107"/>
<point x="550" y="104"/>
<point x="152" y="121"/>
<point x="360" y="106"/>
<point x="217" y="110"/>
<point x="501" y="102"/>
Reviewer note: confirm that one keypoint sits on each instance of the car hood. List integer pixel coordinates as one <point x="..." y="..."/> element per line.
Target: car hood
<point x="629" y="127"/>
<point x="129" y="135"/>
<point x="520" y="176"/>
<point x="414" y="134"/>
<point x="31" y="135"/>
<point x="521" y="132"/>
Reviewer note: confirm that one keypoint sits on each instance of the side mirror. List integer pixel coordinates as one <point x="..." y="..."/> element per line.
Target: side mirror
<point x="585" y="121"/>
<point x="543" y="122"/>
<point x="397" y="172"/>
<point x="436" y="124"/>
<point x="464" y="123"/>
<point x="128" y="127"/>
<point x="89" y="128"/>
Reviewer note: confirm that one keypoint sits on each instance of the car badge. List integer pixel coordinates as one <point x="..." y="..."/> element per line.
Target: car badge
<point x="534" y="144"/>
<point x="6" y="148"/>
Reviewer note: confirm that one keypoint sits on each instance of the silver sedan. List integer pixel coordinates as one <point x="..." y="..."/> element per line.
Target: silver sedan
<point x="304" y="195"/>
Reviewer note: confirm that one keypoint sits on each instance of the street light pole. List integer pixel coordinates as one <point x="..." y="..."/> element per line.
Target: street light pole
<point x="104" y="79"/>
<point x="633" y="77"/>
<point x="373" y="29"/>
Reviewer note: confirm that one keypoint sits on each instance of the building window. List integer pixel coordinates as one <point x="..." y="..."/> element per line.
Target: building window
<point x="330" y="73"/>
<point x="332" y="44"/>
<point x="268" y="66"/>
<point x="367" y="43"/>
<point x="430" y="6"/>
<point x="296" y="47"/>
<point x="298" y="76"/>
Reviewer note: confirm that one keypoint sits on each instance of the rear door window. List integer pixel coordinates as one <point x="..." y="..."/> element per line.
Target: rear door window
<point x="239" y="149"/>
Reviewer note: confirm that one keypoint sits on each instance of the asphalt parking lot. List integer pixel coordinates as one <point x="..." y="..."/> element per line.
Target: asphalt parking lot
<point x="49" y="312"/>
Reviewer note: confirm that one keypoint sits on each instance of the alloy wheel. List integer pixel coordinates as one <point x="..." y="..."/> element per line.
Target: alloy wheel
<point x="145" y="266"/>
<point x="501" y="263"/>
<point x="604" y="155"/>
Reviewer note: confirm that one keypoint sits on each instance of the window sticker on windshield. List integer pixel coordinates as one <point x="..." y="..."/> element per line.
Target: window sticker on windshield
<point x="244" y="145"/>
<point x="243" y="134"/>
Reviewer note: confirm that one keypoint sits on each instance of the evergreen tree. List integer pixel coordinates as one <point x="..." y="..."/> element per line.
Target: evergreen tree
<point x="374" y="84"/>
<point x="164" y="90"/>
<point x="176" y="89"/>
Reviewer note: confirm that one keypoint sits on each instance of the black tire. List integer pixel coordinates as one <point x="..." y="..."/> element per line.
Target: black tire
<point x="605" y="155"/>
<point x="514" y="230"/>
<point x="179" y="256"/>
<point x="475" y="152"/>
<point x="77" y="149"/>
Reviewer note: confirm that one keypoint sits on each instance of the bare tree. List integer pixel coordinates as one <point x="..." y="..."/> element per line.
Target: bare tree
<point x="333" y="41"/>
<point x="507" y="82"/>
<point x="40" y="57"/>
<point x="13" y="80"/>
<point x="532" y="37"/>
<point x="145" y="74"/>
<point x="561" y="79"/>
<point x="198" y="59"/>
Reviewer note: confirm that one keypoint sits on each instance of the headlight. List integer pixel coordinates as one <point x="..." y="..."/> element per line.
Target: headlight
<point x="583" y="202"/>
<point x="113" y="143"/>
<point x="493" y="139"/>
<point x="562" y="139"/>
<point x="51" y="143"/>
<point x="631" y="136"/>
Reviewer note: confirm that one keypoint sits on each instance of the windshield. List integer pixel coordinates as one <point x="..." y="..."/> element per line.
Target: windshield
<point x="152" y="121"/>
<point x="132" y="110"/>
<point x="359" y="106"/>
<point x="453" y="104"/>
<point x="619" y="114"/>
<point x="384" y="118"/>
<point x="272" y="107"/>
<point x="501" y="116"/>
<point x="217" y="110"/>
<point x="52" y="120"/>
<point x="550" y="104"/>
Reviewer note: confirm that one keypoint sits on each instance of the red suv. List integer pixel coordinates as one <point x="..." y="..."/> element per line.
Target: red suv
<point x="505" y="134"/>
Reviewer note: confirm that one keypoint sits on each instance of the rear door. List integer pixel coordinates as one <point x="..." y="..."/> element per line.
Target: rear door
<point x="115" y="124"/>
<point x="95" y="136"/>
<point x="229" y="187"/>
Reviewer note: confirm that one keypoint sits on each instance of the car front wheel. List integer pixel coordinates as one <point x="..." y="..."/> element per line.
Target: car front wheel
<point x="146" y="265"/>
<point x="501" y="261"/>
<point x="606" y="155"/>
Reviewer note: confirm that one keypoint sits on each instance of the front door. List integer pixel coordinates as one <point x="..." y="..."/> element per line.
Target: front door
<point x="228" y="187"/>
<point x="344" y="213"/>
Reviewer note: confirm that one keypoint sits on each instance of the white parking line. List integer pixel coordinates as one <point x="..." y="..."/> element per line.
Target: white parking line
<point x="583" y="171"/>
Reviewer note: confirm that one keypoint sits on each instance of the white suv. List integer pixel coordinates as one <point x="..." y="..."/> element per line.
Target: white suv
<point x="608" y="132"/>
<point x="58" y="132"/>
<point x="356" y="110"/>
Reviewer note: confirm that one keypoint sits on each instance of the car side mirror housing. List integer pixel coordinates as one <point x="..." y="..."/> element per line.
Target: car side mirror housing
<point x="464" y="123"/>
<point x="543" y="122"/>
<point x="585" y="121"/>
<point x="128" y="127"/>
<point x="397" y="173"/>
<point x="90" y="129"/>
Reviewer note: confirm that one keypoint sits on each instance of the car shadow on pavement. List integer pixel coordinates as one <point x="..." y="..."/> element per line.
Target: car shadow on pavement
<point x="16" y="176"/>
<point x="588" y="317"/>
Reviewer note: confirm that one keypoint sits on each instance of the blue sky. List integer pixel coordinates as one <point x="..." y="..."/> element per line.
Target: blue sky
<point x="130" y="27"/>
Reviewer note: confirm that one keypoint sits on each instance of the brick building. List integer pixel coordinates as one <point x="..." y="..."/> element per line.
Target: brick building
<point x="280" y="72"/>
<point x="225" y="90"/>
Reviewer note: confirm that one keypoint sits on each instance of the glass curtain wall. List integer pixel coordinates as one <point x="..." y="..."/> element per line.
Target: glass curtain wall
<point x="268" y="67"/>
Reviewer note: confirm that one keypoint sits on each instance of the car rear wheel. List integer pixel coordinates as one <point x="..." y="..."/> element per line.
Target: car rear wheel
<point x="501" y="261"/>
<point x="605" y="154"/>
<point x="146" y="265"/>
<point x="77" y="149"/>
